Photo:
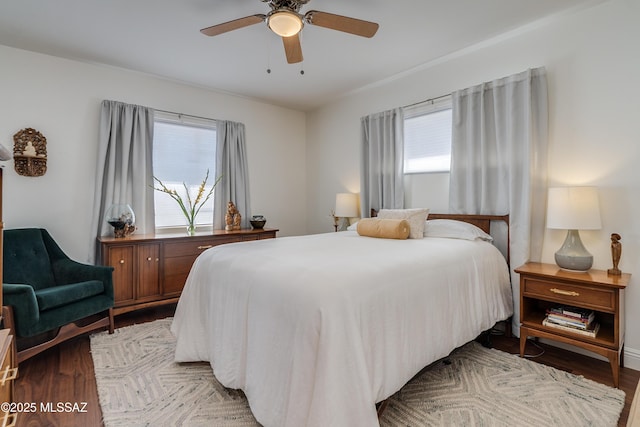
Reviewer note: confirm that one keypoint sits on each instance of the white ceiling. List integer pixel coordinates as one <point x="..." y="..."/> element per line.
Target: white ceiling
<point x="162" y="37"/>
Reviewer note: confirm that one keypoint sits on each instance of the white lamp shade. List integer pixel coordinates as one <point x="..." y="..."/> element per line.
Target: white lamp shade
<point x="346" y="205"/>
<point x="573" y="208"/>
<point x="284" y="23"/>
<point x="5" y="154"/>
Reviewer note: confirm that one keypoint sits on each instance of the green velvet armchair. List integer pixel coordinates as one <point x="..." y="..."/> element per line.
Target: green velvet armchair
<point x="47" y="297"/>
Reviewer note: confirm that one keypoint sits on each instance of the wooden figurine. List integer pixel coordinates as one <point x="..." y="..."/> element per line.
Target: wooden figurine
<point x="232" y="218"/>
<point x="616" y="251"/>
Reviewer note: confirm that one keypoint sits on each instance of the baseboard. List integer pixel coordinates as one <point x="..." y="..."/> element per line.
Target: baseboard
<point x="632" y="358"/>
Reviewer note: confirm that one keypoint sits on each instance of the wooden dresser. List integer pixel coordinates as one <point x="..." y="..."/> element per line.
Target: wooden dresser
<point x="151" y="270"/>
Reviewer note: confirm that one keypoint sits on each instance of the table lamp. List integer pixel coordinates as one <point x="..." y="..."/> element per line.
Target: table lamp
<point x="346" y="206"/>
<point x="5" y="154"/>
<point x="573" y="209"/>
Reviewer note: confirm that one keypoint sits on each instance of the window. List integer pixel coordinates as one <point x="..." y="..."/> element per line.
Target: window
<point x="427" y="137"/>
<point x="184" y="148"/>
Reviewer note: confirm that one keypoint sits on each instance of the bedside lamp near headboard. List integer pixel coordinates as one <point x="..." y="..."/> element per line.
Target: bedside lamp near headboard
<point x="4" y="154"/>
<point x="346" y="207"/>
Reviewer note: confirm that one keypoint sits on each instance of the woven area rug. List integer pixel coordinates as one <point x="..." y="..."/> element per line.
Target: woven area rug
<point x="140" y="385"/>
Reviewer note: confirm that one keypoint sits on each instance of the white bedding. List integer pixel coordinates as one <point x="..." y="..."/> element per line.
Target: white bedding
<point x="317" y="329"/>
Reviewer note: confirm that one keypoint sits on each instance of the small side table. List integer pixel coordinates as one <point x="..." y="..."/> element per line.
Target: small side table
<point x="544" y="286"/>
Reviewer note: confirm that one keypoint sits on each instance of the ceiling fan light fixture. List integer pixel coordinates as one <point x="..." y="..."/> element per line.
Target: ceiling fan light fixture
<point x="284" y="23"/>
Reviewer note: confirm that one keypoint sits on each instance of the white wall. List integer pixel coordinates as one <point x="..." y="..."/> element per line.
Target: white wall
<point x="61" y="99"/>
<point x="592" y="63"/>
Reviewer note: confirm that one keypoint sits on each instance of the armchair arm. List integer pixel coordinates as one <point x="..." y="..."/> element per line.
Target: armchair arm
<point x="67" y="271"/>
<point x="25" y="305"/>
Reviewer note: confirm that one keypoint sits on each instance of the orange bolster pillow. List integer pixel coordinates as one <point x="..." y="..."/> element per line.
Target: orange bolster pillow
<point x="384" y="228"/>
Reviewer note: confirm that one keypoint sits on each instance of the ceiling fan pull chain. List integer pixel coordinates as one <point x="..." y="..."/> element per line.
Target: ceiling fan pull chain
<point x="268" y="49"/>
<point x="301" y="36"/>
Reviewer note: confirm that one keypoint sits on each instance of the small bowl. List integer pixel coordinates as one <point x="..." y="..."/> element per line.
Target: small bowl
<point x="258" y="223"/>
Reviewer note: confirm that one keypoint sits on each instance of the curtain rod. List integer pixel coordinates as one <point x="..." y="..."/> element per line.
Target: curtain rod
<point x="432" y="100"/>
<point x="184" y="115"/>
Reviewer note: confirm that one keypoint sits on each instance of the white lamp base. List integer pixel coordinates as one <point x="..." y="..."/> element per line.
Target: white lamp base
<point x="573" y="255"/>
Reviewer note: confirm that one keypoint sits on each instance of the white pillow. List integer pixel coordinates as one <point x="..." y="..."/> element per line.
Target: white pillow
<point x="454" y="230"/>
<point x="415" y="217"/>
<point x="353" y="227"/>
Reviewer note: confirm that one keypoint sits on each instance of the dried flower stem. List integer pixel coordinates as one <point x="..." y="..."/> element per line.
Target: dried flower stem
<point x="193" y="206"/>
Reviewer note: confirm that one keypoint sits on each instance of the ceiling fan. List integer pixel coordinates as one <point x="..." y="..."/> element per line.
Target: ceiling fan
<point x="286" y="21"/>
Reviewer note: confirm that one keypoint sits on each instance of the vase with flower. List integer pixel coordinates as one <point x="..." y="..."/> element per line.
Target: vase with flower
<point x="190" y="206"/>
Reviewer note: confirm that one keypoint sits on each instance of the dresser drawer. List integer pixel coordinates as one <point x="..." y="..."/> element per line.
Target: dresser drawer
<point x="195" y="247"/>
<point x="250" y="237"/>
<point x="602" y="299"/>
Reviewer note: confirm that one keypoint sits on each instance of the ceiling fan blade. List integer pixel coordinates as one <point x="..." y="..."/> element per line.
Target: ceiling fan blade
<point x="233" y="25"/>
<point x="354" y="26"/>
<point x="293" y="49"/>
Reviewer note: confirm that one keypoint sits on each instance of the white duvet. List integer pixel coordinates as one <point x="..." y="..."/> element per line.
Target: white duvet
<point x="317" y="329"/>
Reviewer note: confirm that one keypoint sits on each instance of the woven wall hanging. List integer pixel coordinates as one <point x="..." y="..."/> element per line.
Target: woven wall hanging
<point x="30" y="152"/>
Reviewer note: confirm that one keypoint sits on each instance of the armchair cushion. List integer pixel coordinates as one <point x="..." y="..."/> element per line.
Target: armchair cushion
<point x="57" y="296"/>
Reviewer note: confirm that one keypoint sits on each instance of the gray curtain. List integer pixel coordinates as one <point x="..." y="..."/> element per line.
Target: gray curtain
<point x="381" y="168"/>
<point x="499" y="160"/>
<point x="124" y="171"/>
<point x="232" y="164"/>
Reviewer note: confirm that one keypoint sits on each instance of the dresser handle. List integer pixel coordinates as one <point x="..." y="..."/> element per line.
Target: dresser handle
<point x="10" y="416"/>
<point x="567" y="293"/>
<point x="205" y="247"/>
<point x="9" y="374"/>
<point x="121" y="261"/>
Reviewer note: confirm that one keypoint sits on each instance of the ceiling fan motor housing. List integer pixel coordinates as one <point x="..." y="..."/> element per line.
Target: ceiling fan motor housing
<point x="293" y="5"/>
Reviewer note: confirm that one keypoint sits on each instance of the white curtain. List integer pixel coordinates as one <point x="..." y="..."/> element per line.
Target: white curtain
<point x="381" y="168"/>
<point x="124" y="169"/>
<point x="232" y="164"/>
<point x="499" y="160"/>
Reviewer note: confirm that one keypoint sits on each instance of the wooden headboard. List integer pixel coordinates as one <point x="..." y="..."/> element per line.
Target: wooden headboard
<point x="483" y="222"/>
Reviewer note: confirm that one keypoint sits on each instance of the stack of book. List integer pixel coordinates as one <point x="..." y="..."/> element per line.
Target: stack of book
<point x="572" y="319"/>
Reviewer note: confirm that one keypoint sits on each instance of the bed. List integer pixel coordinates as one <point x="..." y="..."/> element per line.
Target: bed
<point x="316" y="330"/>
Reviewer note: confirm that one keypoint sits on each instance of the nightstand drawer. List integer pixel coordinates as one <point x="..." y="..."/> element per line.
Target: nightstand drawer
<point x="602" y="299"/>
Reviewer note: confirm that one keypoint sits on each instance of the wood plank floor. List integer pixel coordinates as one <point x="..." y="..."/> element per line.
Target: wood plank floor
<point x="65" y="374"/>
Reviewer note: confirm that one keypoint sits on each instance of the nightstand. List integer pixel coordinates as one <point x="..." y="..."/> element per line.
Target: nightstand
<point x="545" y="286"/>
